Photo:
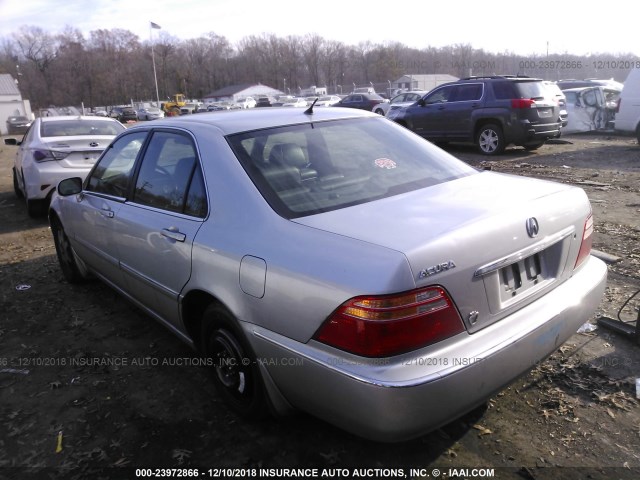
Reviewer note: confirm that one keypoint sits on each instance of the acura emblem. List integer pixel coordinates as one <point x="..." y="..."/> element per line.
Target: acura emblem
<point x="532" y="227"/>
<point x="94" y="144"/>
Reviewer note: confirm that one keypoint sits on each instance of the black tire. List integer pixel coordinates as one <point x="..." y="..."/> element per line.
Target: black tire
<point x="64" y="251"/>
<point x="533" y="146"/>
<point x="16" y="186"/>
<point x="379" y="111"/>
<point x="490" y="139"/>
<point x="236" y="374"/>
<point x="35" y="208"/>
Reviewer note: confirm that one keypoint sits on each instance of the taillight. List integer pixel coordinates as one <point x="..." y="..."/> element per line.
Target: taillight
<point x="587" y="240"/>
<point x="385" y="325"/>
<point x="48" y="155"/>
<point x="523" y="103"/>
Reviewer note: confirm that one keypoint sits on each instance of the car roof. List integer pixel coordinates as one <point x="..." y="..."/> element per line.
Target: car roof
<point x="236" y="121"/>
<point x="582" y="89"/>
<point x="76" y="117"/>
<point x="522" y="78"/>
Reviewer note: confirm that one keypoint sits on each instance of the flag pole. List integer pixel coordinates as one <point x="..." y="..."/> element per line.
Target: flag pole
<point x="153" y="60"/>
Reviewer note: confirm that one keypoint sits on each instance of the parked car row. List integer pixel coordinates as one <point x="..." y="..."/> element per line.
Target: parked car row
<point x="446" y="114"/>
<point x="491" y="112"/>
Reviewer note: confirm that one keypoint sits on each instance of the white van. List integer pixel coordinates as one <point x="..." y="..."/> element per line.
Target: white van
<point x="628" y="113"/>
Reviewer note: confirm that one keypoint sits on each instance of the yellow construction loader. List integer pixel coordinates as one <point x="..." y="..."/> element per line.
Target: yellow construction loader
<point x="172" y="107"/>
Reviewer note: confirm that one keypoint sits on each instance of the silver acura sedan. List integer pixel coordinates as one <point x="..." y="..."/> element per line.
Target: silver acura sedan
<point x="334" y="262"/>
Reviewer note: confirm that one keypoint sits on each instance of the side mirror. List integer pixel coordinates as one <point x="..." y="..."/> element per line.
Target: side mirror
<point x="421" y="102"/>
<point x="11" y="141"/>
<point x="70" y="186"/>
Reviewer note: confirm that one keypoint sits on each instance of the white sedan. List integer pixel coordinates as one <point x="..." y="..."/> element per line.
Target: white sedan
<point x="401" y="100"/>
<point x="55" y="148"/>
<point x="295" y="102"/>
<point x="150" y="113"/>
<point x="327" y="100"/>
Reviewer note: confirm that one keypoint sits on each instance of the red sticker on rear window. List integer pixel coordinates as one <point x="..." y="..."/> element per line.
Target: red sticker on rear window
<point x="385" y="163"/>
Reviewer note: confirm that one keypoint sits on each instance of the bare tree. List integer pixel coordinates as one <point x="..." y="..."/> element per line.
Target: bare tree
<point x="39" y="49"/>
<point x="312" y="50"/>
<point x="112" y="66"/>
<point x="334" y="58"/>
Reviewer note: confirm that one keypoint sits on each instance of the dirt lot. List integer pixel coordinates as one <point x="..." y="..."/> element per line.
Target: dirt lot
<point x="62" y="415"/>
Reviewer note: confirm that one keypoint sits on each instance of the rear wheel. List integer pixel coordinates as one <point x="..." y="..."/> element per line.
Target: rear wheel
<point x="490" y="140"/>
<point x="236" y="372"/>
<point x="35" y="208"/>
<point x="16" y="185"/>
<point x="379" y="111"/>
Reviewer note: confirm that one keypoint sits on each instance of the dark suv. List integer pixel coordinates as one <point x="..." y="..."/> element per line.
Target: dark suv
<point x="491" y="112"/>
<point x="123" y="114"/>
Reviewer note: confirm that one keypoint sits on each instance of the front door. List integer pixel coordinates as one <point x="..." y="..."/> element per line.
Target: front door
<point x="93" y="223"/>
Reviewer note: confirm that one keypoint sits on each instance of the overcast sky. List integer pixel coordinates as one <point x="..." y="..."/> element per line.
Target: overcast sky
<point x="525" y="28"/>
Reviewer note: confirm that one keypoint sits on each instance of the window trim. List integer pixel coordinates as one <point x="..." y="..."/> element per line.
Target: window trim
<point x="180" y="131"/>
<point x="85" y="184"/>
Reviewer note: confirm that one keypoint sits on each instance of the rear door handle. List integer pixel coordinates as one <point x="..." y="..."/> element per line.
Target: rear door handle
<point x="174" y="234"/>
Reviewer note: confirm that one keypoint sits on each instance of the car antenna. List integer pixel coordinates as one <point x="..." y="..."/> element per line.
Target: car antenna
<point x="309" y="111"/>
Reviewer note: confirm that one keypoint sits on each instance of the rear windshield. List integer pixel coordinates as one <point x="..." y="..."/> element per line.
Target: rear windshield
<point x="68" y="128"/>
<point x="311" y="168"/>
<point x="519" y="89"/>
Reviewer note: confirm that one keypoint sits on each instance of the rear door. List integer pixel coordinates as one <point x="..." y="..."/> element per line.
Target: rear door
<point x="457" y="117"/>
<point x="156" y="228"/>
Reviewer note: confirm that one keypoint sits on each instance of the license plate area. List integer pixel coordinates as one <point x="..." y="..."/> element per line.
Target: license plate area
<point x="91" y="155"/>
<point x="521" y="276"/>
<point x="527" y="273"/>
<point x="545" y="112"/>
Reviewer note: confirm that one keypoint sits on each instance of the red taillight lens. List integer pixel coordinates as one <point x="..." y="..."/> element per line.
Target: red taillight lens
<point x="522" y="103"/>
<point x="587" y="240"/>
<point x="48" y="155"/>
<point x="381" y="326"/>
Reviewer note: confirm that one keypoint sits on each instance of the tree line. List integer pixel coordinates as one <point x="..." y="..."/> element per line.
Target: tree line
<point x="113" y="67"/>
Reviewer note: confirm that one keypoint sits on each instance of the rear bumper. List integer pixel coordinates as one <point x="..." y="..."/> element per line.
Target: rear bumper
<point x="406" y="396"/>
<point x="42" y="178"/>
<point x="527" y="132"/>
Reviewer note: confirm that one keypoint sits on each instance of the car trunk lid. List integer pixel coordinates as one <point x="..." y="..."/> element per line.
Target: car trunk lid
<point x="78" y="152"/>
<point x="495" y="242"/>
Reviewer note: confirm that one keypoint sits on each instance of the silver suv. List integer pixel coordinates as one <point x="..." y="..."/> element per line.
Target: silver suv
<point x="491" y="112"/>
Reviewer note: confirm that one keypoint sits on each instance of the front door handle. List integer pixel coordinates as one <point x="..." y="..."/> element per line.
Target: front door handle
<point x="106" y="212"/>
<point x="174" y="234"/>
